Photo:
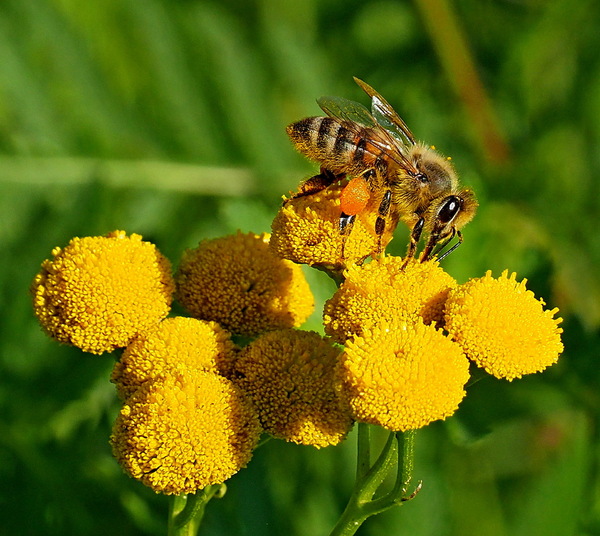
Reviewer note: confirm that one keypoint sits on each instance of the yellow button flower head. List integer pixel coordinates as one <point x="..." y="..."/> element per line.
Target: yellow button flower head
<point x="183" y="432"/>
<point x="100" y="291"/>
<point x="382" y="292"/>
<point x="289" y="375"/>
<point x="239" y="283"/>
<point x="306" y="230"/>
<point x="502" y="327"/>
<point x="404" y="376"/>
<point x="175" y="342"/>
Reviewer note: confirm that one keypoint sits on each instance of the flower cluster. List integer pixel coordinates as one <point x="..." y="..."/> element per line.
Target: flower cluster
<point x="186" y="422"/>
<point x="409" y="330"/>
<point x="401" y="336"/>
<point x="409" y="336"/>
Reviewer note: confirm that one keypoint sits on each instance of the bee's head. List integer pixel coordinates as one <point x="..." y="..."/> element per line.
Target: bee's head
<point x="450" y="215"/>
<point x="454" y="212"/>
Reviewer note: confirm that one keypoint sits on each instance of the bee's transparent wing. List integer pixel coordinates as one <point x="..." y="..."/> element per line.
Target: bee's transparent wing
<point x="347" y="110"/>
<point x="386" y="140"/>
<point x="386" y="116"/>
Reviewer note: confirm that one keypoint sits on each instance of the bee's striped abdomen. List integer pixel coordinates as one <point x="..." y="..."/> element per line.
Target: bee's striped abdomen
<point x="340" y="146"/>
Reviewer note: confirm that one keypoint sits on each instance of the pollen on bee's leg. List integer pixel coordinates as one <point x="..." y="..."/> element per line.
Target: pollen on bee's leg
<point x="355" y="196"/>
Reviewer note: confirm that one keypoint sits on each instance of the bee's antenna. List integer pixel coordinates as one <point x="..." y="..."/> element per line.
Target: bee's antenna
<point x="460" y="240"/>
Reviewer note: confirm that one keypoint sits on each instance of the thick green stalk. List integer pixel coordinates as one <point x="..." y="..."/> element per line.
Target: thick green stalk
<point x="406" y="448"/>
<point x="186" y="511"/>
<point x="397" y="451"/>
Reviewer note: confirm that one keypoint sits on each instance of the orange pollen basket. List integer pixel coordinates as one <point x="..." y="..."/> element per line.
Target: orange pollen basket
<point x="354" y="196"/>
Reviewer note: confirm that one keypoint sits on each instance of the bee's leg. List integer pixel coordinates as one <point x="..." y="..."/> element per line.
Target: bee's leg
<point x="415" y="236"/>
<point x="346" y="224"/>
<point x="428" y="250"/>
<point x="317" y="183"/>
<point x="382" y="213"/>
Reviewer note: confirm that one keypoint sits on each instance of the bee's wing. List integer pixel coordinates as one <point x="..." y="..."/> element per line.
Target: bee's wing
<point x="347" y="110"/>
<point x="386" y="116"/>
<point x="356" y="116"/>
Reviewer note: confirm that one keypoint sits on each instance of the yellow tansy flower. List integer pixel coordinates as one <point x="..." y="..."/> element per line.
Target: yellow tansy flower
<point x="404" y="376"/>
<point x="306" y="230"/>
<point x="100" y="291"/>
<point x="502" y="327"/>
<point x="175" y="342"/>
<point x="382" y="291"/>
<point x="183" y="432"/>
<point x="239" y="283"/>
<point x="289" y="375"/>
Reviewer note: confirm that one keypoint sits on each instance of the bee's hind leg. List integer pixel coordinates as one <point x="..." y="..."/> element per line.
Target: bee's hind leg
<point x="346" y="224"/>
<point x="317" y="183"/>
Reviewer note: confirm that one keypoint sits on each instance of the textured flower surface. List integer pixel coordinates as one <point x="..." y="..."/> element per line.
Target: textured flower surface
<point x="502" y="327"/>
<point x="306" y="230"/>
<point x="238" y="282"/>
<point x="185" y="431"/>
<point x="290" y="377"/>
<point x="403" y="376"/>
<point x="382" y="291"/>
<point x="175" y="342"/>
<point x="99" y="292"/>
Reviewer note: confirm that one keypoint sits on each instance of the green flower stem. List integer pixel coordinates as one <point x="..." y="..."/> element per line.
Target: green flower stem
<point x="398" y="450"/>
<point x="406" y="444"/>
<point x="399" y="494"/>
<point x="371" y="481"/>
<point x="186" y="511"/>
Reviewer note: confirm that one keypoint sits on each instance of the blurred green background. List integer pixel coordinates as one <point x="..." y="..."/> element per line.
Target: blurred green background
<point x="167" y="119"/>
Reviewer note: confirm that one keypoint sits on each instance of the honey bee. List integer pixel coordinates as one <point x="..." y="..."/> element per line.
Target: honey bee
<point x="377" y="152"/>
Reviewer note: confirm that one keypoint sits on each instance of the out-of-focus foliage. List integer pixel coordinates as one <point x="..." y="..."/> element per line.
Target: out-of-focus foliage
<point x="166" y="118"/>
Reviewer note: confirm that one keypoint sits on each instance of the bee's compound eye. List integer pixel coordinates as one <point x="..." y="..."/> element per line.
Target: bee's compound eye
<point x="449" y="209"/>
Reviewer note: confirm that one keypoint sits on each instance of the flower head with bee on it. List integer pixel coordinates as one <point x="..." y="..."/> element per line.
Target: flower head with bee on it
<point x="401" y="336"/>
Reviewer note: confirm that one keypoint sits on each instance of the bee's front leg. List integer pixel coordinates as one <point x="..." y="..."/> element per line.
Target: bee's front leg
<point x="415" y="236"/>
